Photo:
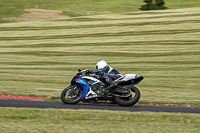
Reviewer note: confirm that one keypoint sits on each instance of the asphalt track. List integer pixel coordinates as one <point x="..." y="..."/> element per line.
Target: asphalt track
<point x="96" y="106"/>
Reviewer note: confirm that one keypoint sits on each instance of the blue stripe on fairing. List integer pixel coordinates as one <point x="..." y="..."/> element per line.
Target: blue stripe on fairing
<point x="122" y="78"/>
<point x="93" y="82"/>
<point x="84" y="85"/>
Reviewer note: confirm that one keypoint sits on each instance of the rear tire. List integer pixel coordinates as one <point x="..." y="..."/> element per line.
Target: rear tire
<point x="131" y="100"/>
<point x="72" y="94"/>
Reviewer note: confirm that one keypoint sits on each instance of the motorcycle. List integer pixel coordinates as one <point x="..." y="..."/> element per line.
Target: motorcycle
<point x="87" y="88"/>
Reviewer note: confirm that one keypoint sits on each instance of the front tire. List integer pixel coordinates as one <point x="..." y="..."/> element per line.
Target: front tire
<point x="72" y="94"/>
<point x="131" y="100"/>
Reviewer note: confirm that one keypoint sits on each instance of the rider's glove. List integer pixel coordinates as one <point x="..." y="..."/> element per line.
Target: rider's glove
<point x="87" y="72"/>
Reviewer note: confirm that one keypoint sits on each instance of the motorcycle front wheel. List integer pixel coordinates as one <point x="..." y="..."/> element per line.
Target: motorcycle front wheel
<point x="72" y="94"/>
<point x="132" y="99"/>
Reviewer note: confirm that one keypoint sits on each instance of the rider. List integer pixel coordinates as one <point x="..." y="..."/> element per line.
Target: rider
<point x="106" y="73"/>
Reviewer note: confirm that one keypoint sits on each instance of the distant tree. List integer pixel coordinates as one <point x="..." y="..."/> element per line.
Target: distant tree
<point x="149" y="2"/>
<point x="158" y="3"/>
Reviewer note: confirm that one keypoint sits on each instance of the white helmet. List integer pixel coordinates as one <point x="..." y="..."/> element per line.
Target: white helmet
<point x="101" y="64"/>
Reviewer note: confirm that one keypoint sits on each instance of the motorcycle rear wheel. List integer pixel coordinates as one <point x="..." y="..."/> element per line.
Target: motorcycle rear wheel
<point x="72" y="94"/>
<point x="131" y="100"/>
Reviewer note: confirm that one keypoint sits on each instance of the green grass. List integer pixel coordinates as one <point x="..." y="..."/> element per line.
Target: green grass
<point x="85" y="121"/>
<point x="40" y="58"/>
<point x="15" y="7"/>
<point x="72" y="14"/>
<point x="6" y="21"/>
<point x="129" y="33"/>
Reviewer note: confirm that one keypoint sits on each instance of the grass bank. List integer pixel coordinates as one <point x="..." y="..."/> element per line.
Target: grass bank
<point x="40" y="58"/>
<point x="15" y="8"/>
<point x="84" y="121"/>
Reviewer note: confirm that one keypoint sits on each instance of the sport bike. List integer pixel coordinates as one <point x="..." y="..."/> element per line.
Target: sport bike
<point x="87" y="88"/>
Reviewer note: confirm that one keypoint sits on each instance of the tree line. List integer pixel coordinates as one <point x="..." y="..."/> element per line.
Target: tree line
<point x="157" y="2"/>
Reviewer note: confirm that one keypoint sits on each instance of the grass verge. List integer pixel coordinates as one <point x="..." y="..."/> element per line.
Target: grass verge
<point x="84" y="121"/>
<point x="40" y="58"/>
<point x="15" y="8"/>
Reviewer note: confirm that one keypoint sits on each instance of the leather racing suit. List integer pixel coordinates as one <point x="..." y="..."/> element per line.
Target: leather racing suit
<point x="106" y="74"/>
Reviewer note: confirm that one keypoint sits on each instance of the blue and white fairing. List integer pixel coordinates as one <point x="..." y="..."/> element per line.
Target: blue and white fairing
<point x="86" y="87"/>
<point x="87" y="91"/>
<point x="130" y="77"/>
